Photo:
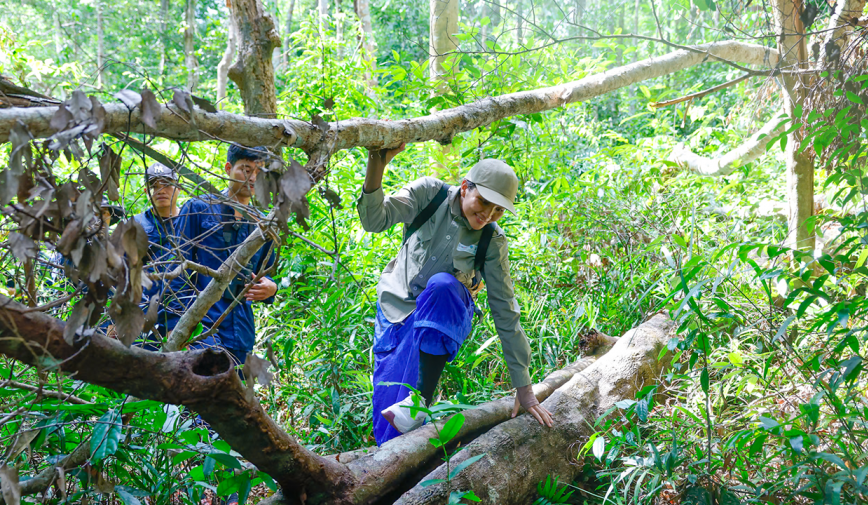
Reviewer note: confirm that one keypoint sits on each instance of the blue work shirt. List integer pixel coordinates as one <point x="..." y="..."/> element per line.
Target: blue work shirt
<point x="166" y="250"/>
<point x="214" y="233"/>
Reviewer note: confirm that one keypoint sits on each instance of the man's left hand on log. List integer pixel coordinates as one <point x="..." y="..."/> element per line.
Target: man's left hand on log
<point x="524" y="397"/>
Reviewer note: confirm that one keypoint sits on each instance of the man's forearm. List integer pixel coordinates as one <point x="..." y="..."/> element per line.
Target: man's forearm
<point x="374" y="173"/>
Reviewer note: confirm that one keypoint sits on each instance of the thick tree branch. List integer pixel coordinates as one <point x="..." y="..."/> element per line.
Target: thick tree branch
<point x="440" y="126"/>
<point x="750" y="150"/>
<point x="205" y="381"/>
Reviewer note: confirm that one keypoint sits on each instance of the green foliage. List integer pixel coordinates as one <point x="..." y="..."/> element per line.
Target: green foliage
<point x="764" y="401"/>
<point x="549" y="493"/>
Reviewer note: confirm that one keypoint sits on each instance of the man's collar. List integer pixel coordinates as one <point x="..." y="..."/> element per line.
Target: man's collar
<point x="455" y="206"/>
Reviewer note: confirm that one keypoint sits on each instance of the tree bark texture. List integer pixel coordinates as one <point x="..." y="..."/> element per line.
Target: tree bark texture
<point x="369" y="44"/>
<point x="520" y="453"/>
<point x="228" y="54"/>
<point x="323" y="9"/>
<point x="253" y="71"/>
<point x="443" y="25"/>
<point x="164" y="35"/>
<point x="842" y="22"/>
<point x="206" y="382"/>
<point x="175" y="124"/>
<point x="100" y="45"/>
<point x="800" y="165"/>
<point x="190" y="60"/>
<point x="519" y="21"/>
<point x="723" y="165"/>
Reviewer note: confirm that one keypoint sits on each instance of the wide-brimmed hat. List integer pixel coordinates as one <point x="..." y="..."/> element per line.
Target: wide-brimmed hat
<point x="496" y="182"/>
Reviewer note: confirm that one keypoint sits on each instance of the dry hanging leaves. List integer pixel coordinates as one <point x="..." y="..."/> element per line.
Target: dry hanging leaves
<point x="128" y="319"/>
<point x="23" y="247"/>
<point x="331" y="197"/>
<point x="110" y="171"/>
<point x="129" y="97"/>
<point x="61" y="119"/>
<point x="182" y="100"/>
<point x="204" y="104"/>
<point x="150" y="108"/>
<point x="255" y="368"/>
<point x="77" y="319"/>
<point x="80" y="106"/>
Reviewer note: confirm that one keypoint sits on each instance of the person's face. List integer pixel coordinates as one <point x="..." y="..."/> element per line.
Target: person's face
<point x="478" y="211"/>
<point x="163" y="193"/>
<point x="243" y="176"/>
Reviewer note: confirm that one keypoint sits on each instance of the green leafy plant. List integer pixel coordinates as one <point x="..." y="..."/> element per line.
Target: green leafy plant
<point x="550" y="493"/>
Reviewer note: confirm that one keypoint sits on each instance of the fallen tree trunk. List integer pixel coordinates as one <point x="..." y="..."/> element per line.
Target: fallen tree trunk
<point x="721" y="166"/>
<point x="396" y="461"/>
<point x="174" y="123"/>
<point x="520" y="453"/>
<point x="198" y="378"/>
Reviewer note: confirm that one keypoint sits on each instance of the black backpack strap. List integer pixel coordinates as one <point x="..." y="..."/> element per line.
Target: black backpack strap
<point x="426" y="213"/>
<point x="482" y="247"/>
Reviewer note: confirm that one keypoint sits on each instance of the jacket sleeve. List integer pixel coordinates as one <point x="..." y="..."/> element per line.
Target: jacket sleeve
<point x="505" y="311"/>
<point x="378" y="212"/>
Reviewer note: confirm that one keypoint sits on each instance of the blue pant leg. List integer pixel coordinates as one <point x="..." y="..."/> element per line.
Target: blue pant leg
<point x="444" y="311"/>
<point x="399" y="365"/>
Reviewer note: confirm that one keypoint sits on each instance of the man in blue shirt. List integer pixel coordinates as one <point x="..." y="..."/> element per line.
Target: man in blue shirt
<point x="215" y="229"/>
<point x="164" y="223"/>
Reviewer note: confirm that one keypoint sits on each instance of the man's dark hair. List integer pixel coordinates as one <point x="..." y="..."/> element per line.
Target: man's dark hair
<point x="237" y="153"/>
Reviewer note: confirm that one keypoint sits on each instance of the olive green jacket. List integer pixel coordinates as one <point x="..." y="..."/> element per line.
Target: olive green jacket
<point x="446" y="243"/>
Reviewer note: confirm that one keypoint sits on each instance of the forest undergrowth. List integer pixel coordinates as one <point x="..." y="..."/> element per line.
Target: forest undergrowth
<point x="765" y="400"/>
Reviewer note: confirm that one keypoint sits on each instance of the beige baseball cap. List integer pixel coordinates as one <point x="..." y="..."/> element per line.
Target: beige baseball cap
<point x="496" y="182"/>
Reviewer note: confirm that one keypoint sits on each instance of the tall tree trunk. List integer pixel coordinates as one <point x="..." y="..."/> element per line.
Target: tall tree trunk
<point x="189" y="47"/>
<point x="636" y="30"/>
<point x="620" y="55"/>
<point x="58" y="33"/>
<point x="323" y="8"/>
<point x="100" y="45"/>
<point x="369" y="44"/>
<point x="286" y="35"/>
<point x="253" y="71"/>
<point x="164" y="35"/>
<point x="443" y="25"/>
<point x="228" y="54"/>
<point x="800" y="166"/>
<point x="492" y="11"/>
<point x="840" y="26"/>
<point x="289" y="17"/>
<point x="519" y="24"/>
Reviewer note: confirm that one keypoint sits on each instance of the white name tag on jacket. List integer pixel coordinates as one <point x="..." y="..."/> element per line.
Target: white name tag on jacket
<point x="466" y="248"/>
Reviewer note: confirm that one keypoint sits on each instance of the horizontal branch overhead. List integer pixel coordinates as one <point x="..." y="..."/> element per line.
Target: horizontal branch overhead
<point x="174" y="123"/>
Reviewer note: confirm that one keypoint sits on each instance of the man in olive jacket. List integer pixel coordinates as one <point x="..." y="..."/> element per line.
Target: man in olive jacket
<point x="425" y="303"/>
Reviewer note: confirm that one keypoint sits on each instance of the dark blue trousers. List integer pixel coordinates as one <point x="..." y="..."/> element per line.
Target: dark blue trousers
<point x="442" y="320"/>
